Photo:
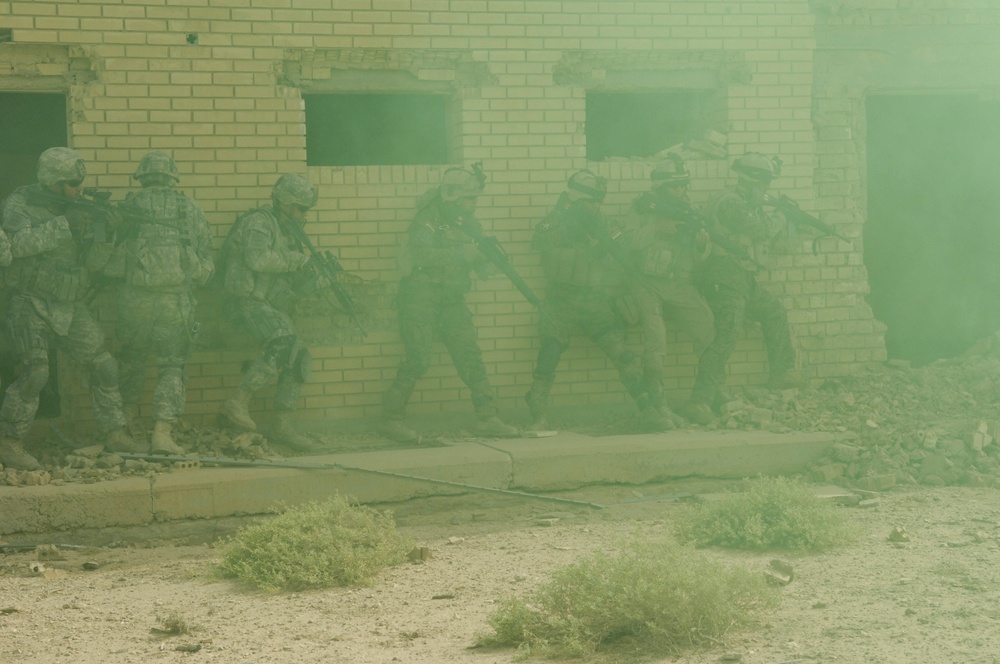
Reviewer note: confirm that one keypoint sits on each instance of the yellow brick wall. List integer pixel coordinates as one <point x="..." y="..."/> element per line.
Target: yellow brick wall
<point x="223" y="107"/>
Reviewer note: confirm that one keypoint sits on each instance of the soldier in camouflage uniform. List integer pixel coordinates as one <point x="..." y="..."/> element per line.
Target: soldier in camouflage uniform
<point x="665" y="253"/>
<point x="48" y="279"/>
<point x="730" y="285"/>
<point x="582" y="280"/>
<point x="263" y="266"/>
<point x="432" y="304"/>
<point x="166" y="252"/>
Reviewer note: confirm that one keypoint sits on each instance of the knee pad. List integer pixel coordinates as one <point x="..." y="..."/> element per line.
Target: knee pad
<point x="104" y="370"/>
<point x="279" y="351"/>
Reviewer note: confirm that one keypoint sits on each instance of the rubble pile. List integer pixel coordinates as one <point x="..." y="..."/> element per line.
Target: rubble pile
<point x="935" y="425"/>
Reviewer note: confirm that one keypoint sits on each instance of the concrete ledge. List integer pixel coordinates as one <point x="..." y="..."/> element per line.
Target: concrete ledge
<point x="571" y="460"/>
<point x="34" y="509"/>
<point x="533" y="465"/>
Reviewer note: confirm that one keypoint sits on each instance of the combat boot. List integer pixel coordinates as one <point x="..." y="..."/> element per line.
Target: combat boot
<point x="397" y="431"/>
<point x="118" y="440"/>
<point x="538" y="404"/>
<point x="656" y="419"/>
<point x="494" y="427"/>
<point x="283" y="433"/>
<point x="162" y="442"/>
<point x="13" y="455"/>
<point x="235" y="411"/>
<point x="698" y="412"/>
<point x="131" y="412"/>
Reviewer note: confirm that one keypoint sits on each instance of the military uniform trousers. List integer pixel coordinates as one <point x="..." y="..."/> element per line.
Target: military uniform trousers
<point x="658" y="300"/>
<point x="155" y="323"/>
<point x="734" y="300"/>
<point x="32" y="334"/>
<point x="585" y="310"/>
<point x="275" y="332"/>
<point x="428" y="312"/>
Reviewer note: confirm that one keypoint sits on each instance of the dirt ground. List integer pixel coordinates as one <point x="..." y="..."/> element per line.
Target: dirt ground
<point x="932" y="599"/>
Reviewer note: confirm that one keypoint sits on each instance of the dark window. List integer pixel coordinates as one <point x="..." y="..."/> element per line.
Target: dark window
<point x="640" y="124"/>
<point x="32" y="123"/>
<point x="376" y="129"/>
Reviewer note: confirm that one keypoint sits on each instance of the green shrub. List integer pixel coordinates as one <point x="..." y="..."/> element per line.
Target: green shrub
<point x="314" y="545"/>
<point x="651" y="597"/>
<point x="769" y="513"/>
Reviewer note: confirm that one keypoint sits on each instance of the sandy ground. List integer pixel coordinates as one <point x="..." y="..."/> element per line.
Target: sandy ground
<point x="933" y="599"/>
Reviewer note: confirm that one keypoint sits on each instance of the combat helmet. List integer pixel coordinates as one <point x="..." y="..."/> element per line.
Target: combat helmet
<point x="586" y="184"/>
<point x="757" y="168"/>
<point x="57" y="165"/>
<point x="459" y="183"/>
<point x="293" y="189"/>
<point x="669" y="172"/>
<point x="159" y="165"/>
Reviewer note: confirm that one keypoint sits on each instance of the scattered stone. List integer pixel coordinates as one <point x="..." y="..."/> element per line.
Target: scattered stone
<point x="872" y="502"/>
<point x="779" y="573"/>
<point x="876" y="482"/>
<point x="731" y="657"/>
<point x="419" y="554"/>
<point x="455" y="540"/>
<point x="828" y="472"/>
<point x="90" y="565"/>
<point x="819" y="605"/>
<point x="444" y="596"/>
<point x="546" y="522"/>
<point x="899" y="534"/>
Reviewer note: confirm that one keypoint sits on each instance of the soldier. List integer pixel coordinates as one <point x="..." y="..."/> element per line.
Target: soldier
<point x="576" y="249"/>
<point x="665" y="251"/>
<point x="49" y="277"/>
<point x="432" y="304"/>
<point x="263" y="267"/>
<point x="730" y="285"/>
<point x="166" y="252"/>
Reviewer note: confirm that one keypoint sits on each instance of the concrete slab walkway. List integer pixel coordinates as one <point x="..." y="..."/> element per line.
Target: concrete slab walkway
<point x="566" y="461"/>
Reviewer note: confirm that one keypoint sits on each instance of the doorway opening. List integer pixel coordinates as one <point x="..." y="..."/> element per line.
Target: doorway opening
<point x="932" y="233"/>
<point x="32" y="123"/>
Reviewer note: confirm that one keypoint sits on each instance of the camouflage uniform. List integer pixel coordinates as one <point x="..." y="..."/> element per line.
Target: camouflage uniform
<point x="731" y="288"/>
<point x="166" y="252"/>
<point x="431" y="306"/>
<point x="261" y="266"/>
<point x="582" y="279"/>
<point x="48" y="280"/>
<point x="665" y="258"/>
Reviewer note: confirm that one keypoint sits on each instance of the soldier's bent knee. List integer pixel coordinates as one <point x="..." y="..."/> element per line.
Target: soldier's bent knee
<point x="104" y="370"/>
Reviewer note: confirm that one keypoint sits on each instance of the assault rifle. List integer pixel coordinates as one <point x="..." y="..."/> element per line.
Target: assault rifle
<point x="327" y="266"/>
<point x="103" y="216"/>
<point x="695" y="221"/>
<point x="800" y="217"/>
<point x="490" y="248"/>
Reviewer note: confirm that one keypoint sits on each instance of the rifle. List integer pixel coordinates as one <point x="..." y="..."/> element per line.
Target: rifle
<point x="800" y="217"/>
<point x="95" y="202"/>
<point x="695" y="221"/>
<point x="490" y="248"/>
<point x="327" y="266"/>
